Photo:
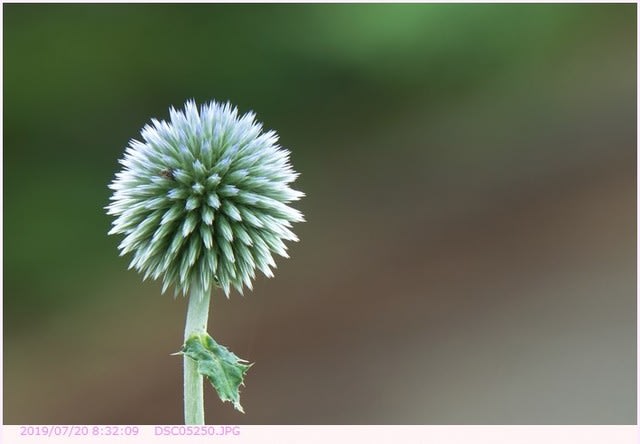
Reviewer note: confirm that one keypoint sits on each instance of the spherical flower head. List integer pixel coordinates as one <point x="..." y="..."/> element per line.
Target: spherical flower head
<point x="203" y="200"/>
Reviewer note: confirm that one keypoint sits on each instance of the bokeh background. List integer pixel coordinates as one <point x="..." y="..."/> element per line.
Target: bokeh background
<point x="469" y="254"/>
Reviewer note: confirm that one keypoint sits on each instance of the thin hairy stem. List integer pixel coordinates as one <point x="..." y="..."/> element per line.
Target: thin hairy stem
<point x="197" y="316"/>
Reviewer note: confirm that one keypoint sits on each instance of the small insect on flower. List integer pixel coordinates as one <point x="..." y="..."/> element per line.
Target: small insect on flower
<point x="222" y="209"/>
<point x="167" y="173"/>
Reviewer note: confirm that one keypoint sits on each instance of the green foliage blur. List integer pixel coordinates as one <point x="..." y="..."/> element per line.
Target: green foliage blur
<point x="81" y="80"/>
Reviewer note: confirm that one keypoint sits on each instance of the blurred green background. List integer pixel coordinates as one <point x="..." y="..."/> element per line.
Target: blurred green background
<point x="469" y="255"/>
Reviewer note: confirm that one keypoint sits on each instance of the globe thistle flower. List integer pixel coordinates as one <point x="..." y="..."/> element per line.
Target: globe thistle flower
<point x="203" y="199"/>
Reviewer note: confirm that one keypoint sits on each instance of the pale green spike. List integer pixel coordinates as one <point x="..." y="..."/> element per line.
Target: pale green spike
<point x="189" y="224"/>
<point x="208" y="215"/>
<point x="193" y="202"/>
<point x="213" y="201"/>
<point x="232" y="211"/>
<point x="207" y="236"/>
<point x="224" y="228"/>
<point x="227" y="251"/>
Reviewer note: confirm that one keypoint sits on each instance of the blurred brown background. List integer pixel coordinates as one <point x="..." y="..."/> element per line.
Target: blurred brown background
<point x="470" y="250"/>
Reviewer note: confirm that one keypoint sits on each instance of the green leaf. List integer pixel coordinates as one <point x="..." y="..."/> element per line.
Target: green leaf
<point x="221" y="367"/>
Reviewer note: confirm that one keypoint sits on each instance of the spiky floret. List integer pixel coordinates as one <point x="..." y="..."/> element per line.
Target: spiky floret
<point x="202" y="200"/>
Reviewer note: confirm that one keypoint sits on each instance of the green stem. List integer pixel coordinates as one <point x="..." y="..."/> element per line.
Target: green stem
<point x="197" y="316"/>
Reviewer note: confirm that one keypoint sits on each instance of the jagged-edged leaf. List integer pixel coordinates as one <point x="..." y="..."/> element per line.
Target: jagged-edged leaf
<point x="221" y="367"/>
